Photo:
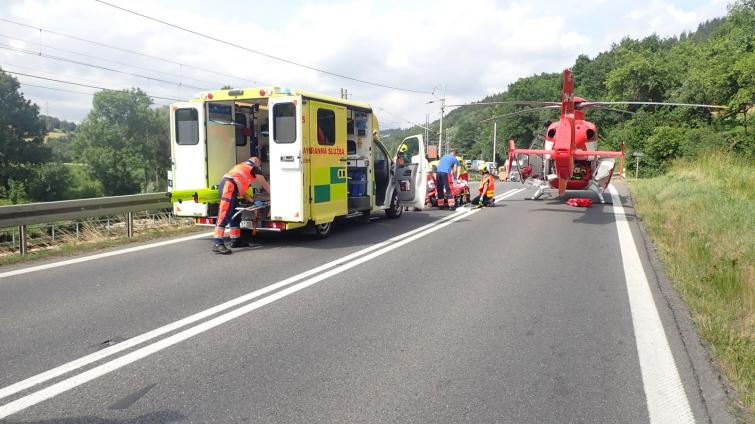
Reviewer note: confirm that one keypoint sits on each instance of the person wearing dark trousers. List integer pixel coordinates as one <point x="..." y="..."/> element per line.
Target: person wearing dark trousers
<point x="236" y="182"/>
<point x="447" y="166"/>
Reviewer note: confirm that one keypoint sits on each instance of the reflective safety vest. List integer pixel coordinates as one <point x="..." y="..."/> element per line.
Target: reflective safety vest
<point x="462" y="165"/>
<point x="491" y="185"/>
<point x="243" y="175"/>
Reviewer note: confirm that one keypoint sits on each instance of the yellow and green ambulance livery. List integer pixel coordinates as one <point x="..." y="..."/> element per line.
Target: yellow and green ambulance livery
<point x="320" y="154"/>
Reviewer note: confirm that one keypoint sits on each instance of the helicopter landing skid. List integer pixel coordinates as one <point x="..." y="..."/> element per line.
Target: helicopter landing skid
<point x="595" y="188"/>
<point x="540" y="191"/>
<point x="541" y="187"/>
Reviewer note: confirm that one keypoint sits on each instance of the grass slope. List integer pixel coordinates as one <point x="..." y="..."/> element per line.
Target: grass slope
<point x="701" y="216"/>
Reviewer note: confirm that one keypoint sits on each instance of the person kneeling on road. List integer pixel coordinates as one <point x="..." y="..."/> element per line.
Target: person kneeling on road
<point x="235" y="182"/>
<point x="486" y="190"/>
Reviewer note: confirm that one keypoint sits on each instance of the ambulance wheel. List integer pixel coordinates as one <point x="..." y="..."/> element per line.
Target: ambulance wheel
<point x="395" y="210"/>
<point x="323" y="230"/>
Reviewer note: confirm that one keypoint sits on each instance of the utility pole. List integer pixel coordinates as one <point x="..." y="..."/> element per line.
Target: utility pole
<point x="344" y="93"/>
<point x="495" y="129"/>
<point x="440" y="133"/>
<point x="427" y="131"/>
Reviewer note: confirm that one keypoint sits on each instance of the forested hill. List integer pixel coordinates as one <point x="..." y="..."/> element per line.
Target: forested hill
<point x="713" y="65"/>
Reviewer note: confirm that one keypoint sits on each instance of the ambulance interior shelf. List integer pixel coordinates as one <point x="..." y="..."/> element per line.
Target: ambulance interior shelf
<point x="358" y="161"/>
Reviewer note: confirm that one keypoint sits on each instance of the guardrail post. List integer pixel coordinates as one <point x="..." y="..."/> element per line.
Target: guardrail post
<point x="130" y="225"/>
<point x="22" y="239"/>
<point x="53" y="232"/>
<point x="77" y="230"/>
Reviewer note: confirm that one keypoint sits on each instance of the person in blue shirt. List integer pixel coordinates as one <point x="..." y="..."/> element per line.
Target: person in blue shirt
<point x="447" y="167"/>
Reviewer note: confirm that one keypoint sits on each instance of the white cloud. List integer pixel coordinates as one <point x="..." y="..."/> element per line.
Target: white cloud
<point x="475" y="48"/>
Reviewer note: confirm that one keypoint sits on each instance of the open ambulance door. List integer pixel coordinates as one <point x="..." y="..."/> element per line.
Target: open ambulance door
<point x="188" y="154"/>
<point x="286" y="166"/>
<point x="411" y="168"/>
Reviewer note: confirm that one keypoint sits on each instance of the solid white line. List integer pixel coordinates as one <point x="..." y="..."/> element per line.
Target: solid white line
<point x="100" y="255"/>
<point x="666" y="400"/>
<point x="137" y="340"/>
<point x="76" y="380"/>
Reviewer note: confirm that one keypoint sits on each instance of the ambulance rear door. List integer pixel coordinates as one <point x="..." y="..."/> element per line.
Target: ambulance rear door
<point x="188" y="154"/>
<point x="411" y="172"/>
<point x="286" y="164"/>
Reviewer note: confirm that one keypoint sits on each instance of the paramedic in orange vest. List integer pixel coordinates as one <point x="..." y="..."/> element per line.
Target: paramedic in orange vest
<point x="234" y="183"/>
<point x="487" y="188"/>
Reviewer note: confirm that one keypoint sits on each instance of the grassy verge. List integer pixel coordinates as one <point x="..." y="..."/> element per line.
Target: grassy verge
<point x="78" y="247"/>
<point x="701" y="216"/>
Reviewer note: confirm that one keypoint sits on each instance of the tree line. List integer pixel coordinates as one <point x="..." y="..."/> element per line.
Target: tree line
<point x="122" y="147"/>
<point x="713" y="65"/>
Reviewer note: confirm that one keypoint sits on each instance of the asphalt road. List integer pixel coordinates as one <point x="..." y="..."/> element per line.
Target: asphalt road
<point x="513" y="314"/>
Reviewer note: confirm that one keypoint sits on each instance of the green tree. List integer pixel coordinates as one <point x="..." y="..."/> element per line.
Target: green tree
<point x="123" y="142"/>
<point x="21" y="140"/>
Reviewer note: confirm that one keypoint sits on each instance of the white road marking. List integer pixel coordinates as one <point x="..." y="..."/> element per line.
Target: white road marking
<point x="100" y="255"/>
<point x="135" y="341"/>
<point x="666" y="400"/>
<point x="98" y="371"/>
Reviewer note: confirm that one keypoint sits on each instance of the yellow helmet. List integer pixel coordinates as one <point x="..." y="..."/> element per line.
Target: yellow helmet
<point x="482" y="168"/>
<point x="403" y="148"/>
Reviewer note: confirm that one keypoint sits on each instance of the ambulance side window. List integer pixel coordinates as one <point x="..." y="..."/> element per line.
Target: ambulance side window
<point x="284" y="123"/>
<point x="187" y="126"/>
<point x="326" y="127"/>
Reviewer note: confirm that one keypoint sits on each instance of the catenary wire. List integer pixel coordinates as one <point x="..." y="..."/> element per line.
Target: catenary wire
<point x="97" y="43"/>
<point x="47" y="46"/>
<point x="257" y="52"/>
<point x="104" y="68"/>
<point x="83" y="85"/>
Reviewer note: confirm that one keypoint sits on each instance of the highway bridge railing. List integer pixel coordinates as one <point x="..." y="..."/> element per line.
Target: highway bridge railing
<point x="39" y="213"/>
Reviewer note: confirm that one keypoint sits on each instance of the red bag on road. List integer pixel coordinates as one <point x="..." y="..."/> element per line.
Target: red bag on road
<point x="579" y="202"/>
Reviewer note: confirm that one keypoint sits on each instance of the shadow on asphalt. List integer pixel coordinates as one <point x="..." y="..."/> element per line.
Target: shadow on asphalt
<point x="345" y="233"/>
<point x="152" y="417"/>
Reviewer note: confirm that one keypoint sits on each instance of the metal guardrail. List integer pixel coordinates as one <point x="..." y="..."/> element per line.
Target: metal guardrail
<point x="40" y="213"/>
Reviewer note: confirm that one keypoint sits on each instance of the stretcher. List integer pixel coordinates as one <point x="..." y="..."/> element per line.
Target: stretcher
<point x="250" y="215"/>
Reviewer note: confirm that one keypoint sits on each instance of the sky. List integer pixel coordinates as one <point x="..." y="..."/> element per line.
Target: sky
<point x="424" y="50"/>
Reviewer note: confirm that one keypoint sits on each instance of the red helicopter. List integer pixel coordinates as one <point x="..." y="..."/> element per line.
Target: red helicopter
<point x="571" y="160"/>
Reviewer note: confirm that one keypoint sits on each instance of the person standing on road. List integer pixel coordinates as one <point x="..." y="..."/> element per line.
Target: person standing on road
<point x="486" y="190"/>
<point x="235" y="182"/>
<point x="447" y="166"/>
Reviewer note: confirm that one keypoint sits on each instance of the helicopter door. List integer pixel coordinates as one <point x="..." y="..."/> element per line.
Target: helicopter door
<point x="411" y="168"/>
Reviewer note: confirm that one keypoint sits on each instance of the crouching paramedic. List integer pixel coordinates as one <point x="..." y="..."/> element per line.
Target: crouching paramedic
<point x="486" y="190"/>
<point x="236" y="182"/>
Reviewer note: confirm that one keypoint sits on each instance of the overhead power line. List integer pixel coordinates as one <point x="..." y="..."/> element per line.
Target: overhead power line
<point x="407" y="121"/>
<point x="261" y="53"/>
<point x="47" y="46"/>
<point x="76" y="62"/>
<point x="97" y="43"/>
<point x="63" y="90"/>
<point x="83" y="85"/>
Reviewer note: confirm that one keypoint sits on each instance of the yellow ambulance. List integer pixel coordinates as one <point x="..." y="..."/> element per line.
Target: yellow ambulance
<point x="320" y="154"/>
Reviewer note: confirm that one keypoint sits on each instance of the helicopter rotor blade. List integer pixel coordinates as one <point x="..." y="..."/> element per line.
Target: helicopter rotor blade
<point x="510" y="102"/>
<point x="522" y="112"/>
<point x="590" y="104"/>
<point x="611" y="109"/>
